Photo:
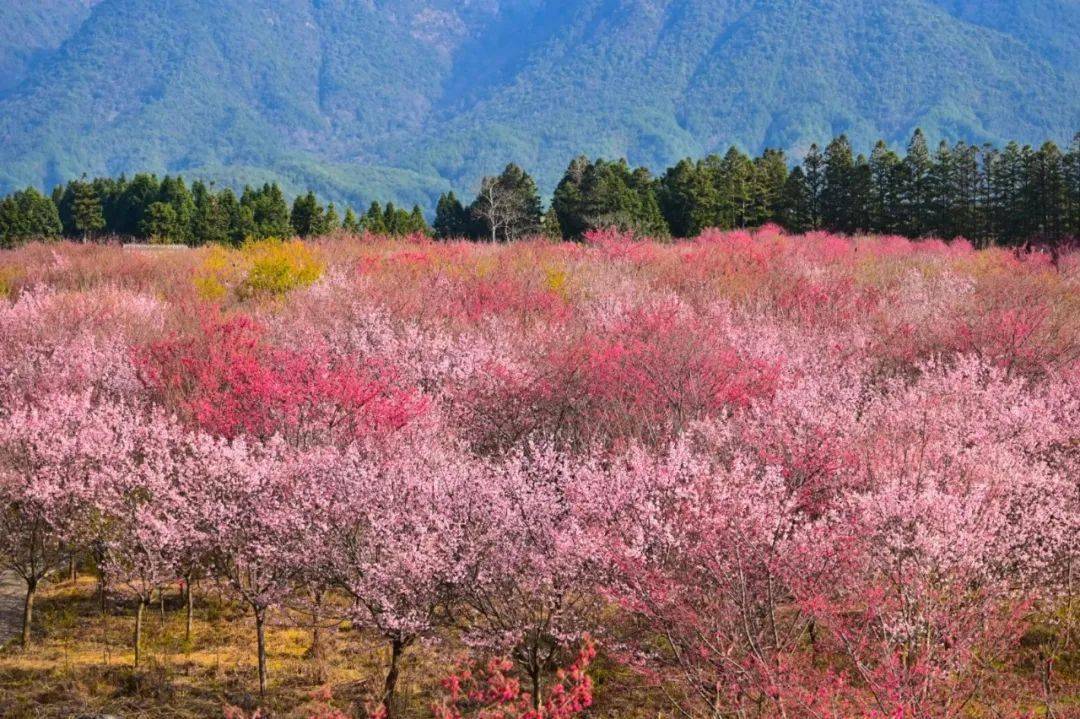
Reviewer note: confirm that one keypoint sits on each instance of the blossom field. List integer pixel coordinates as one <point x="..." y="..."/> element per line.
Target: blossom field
<point x="747" y="475"/>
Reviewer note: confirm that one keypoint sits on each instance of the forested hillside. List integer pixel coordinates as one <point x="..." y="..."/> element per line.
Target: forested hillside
<point x="406" y="99"/>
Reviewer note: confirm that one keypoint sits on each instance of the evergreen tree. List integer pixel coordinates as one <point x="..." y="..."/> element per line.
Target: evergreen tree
<point x="240" y="224"/>
<point x="28" y="215"/>
<point x="351" y="224"/>
<point x="1072" y="187"/>
<point x="770" y="175"/>
<point x="861" y="189"/>
<point x="549" y="225"/>
<point x="275" y="219"/>
<point x="392" y="220"/>
<point x="600" y="194"/>
<point x="417" y="222"/>
<point x="941" y="195"/>
<point x="965" y="191"/>
<point x="63" y="196"/>
<point x="567" y="201"/>
<point x="87" y="214"/>
<point x="161" y="224"/>
<point x="110" y="190"/>
<point x="211" y="221"/>
<point x="795" y="203"/>
<point x="1044" y="193"/>
<point x="1015" y="195"/>
<point x="648" y="220"/>
<point x="735" y="189"/>
<point x="838" y="194"/>
<point x="268" y="212"/>
<point x="137" y="195"/>
<point x="1007" y="180"/>
<point x="680" y="196"/>
<point x="814" y="174"/>
<point x="331" y="221"/>
<point x="307" y="217"/>
<point x="175" y="193"/>
<point x="451" y="218"/>
<point x="710" y="190"/>
<point x="917" y="186"/>
<point x="884" y="197"/>
<point x="988" y="231"/>
<point x="373" y="220"/>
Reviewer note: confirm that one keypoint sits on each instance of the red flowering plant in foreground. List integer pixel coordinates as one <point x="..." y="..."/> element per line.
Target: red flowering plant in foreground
<point x="492" y="692"/>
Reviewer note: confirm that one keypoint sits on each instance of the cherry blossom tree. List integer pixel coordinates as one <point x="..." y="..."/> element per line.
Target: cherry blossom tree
<point x="714" y="553"/>
<point x="278" y="405"/>
<point x="144" y="494"/>
<point x="643" y="372"/>
<point x="247" y="506"/>
<point x="396" y="522"/>
<point x="48" y="483"/>
<point x="528" y="577"/>
<point x="951" y="550"/>
<point x="779" y="476"/>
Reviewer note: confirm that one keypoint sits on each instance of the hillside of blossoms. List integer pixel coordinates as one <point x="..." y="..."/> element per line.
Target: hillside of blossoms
<point x="748" y="475"/>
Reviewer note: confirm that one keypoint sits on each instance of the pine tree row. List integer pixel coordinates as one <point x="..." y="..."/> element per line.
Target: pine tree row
<point x="1010" y="196"/>
<point x="167" y="211"/>
<point x="990" y="196"/>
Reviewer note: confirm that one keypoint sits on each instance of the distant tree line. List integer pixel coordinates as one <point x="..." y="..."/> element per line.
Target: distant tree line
<point x="166" y="210"/>
<point x="988" y="195"/>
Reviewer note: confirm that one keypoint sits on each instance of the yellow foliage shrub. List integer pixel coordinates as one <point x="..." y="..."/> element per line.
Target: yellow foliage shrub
<point x="7" y="281"/>
<point x="556" y="280"/>
<point x="219" y="271"/>
<point x="258" y="269"/>
<point x="276" y="267"/>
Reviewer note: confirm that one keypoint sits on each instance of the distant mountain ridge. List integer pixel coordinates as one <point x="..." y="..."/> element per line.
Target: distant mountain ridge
<point x="403" y="99"/>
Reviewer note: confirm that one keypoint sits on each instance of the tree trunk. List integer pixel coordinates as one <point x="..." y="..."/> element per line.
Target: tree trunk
<point x="138" y="631"/>
<point x="161" y="603"/>
<point x="73" y="568"/>
<point x="534" y="677"/>
<point x="190" y="609"/>
<point x="397" y="648"/>
<point x="260" y="631"/>
<point x="316" y="637"/>
<point x="28" y="612"/>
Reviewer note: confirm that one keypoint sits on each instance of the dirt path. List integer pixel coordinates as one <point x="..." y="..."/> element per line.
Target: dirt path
<point x="11" y="601"/>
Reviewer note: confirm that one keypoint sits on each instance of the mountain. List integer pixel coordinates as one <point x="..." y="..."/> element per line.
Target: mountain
<point x="31" y="30"/>
<point x="402" y="99"/>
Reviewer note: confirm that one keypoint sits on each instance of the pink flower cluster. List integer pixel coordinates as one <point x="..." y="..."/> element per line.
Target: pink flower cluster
<point x="778" y="476"/>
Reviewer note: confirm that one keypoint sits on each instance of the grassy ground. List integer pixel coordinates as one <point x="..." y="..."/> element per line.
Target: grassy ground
<point x="81" y="663"/>
<point x="11" y="605"/>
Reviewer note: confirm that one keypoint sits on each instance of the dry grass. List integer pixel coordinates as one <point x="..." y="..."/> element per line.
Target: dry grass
<point x="81" y="664"/>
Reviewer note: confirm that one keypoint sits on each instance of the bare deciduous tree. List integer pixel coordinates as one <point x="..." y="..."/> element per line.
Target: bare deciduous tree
<point x="508" y="204"/>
